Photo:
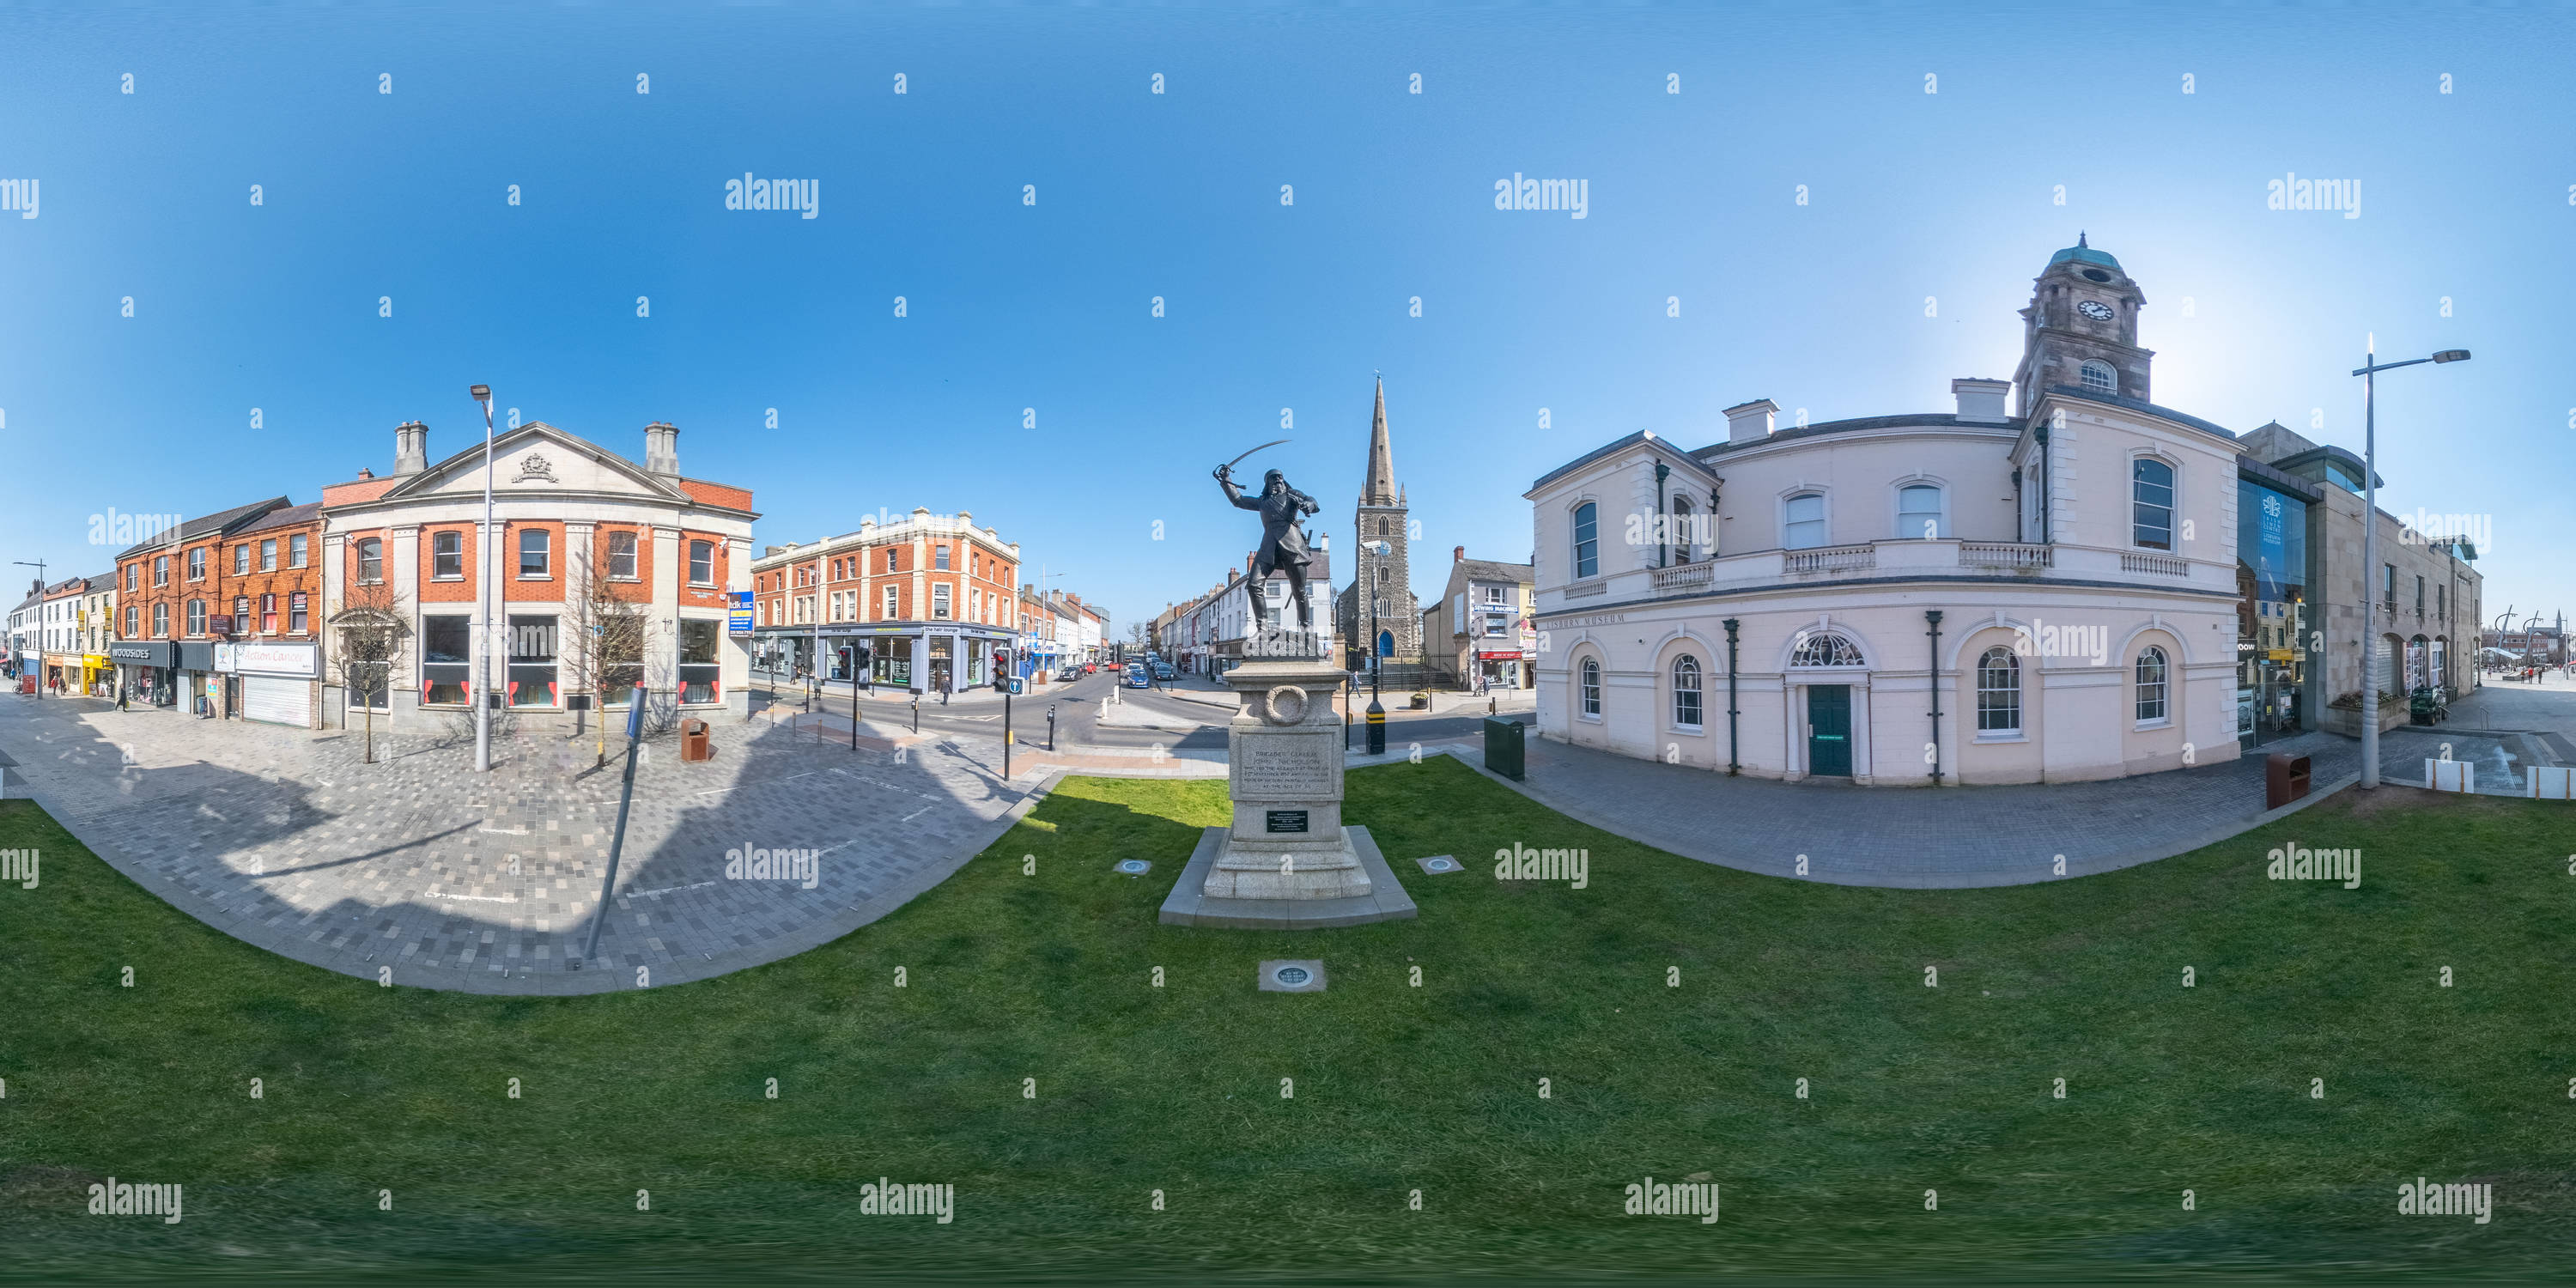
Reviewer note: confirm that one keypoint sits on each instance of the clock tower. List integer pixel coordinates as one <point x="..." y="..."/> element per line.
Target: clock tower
<point x="2081" y="329"/>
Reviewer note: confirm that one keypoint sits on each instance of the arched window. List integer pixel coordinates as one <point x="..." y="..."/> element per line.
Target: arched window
<point x="1592" y="687"/>
<point x="2151" y="493"/>
<point x="1803" y="527"/>
<point x="1998" y="692"/>
<point x="1918" y="513"/>
<point x="2418" y="659"/>
<point x="1686" y="691"/>
<point x="1587" y="540"/>
<point x="1826" y="649"/>
<point x="2152" y="705"/>
<point x="1681" y="533"/>
<point x="2100" y="378"/>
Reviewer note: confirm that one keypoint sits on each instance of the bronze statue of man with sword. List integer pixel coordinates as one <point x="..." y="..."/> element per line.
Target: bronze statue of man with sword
<point x="1283" y="538"/>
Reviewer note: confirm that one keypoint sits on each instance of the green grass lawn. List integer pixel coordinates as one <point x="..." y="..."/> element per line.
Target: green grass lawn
<point x="1397" y="1087"/>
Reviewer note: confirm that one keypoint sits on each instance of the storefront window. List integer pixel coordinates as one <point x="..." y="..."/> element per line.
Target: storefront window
<point x="446" y="660"/>
<point x="532" y="662"/>
<point x="701" y="670"/>
<point x="893" y="660"/>
<point x="621" y="664"/>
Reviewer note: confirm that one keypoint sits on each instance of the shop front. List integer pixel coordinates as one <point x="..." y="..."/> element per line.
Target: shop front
<point x="1502" y="668"/>
<point x="270" y="683"/>
<point x="148" y="672"/>
<point x="201" y="687"/>
<point x="98" y="675"/>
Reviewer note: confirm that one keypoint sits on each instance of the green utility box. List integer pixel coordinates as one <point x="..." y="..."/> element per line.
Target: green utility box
<point x="1504" y="743"/>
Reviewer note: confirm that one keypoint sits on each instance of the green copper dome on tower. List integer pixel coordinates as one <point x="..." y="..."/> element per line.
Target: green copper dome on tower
<point x="2083" y="254"/>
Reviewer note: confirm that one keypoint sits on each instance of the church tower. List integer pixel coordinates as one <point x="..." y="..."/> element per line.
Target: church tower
<point x="2081" y="329"/>
<point x="1387" y="577"/>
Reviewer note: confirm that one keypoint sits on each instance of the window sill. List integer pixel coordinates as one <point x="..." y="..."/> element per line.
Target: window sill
<point x="1983" y="738"/>
<point x="535" y="576"/>
<point x="436" y="576"/>
<point x="1688" y="731"/>
<point x="2144" y="726"/>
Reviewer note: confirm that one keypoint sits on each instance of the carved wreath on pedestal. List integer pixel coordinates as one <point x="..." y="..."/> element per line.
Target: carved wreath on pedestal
<point x="1284" y="705"/>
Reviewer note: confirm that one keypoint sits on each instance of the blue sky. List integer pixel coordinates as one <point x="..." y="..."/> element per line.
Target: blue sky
<point x="1951" y="195"/>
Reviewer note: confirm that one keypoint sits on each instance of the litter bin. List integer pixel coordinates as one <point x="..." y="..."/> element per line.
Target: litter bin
<point x="693" y="740"/>
<point x="1503" y="746"/>
<point x="2285" y="779"/>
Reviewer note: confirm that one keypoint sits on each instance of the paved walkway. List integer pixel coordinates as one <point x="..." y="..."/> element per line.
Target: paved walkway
<point x="1961" y="836"/>
<point x="489" y="883"/>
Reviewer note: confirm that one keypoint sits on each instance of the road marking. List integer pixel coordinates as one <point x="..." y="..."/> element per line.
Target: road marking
<point x="477" y="898"/>
<point x="656" y="894"/>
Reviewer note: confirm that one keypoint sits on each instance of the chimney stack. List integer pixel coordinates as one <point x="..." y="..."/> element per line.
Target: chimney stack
<point x="1750" y="422"/>
<point x="1981" y="402"/>
<point x="411" y="447"/>
<point x="1461" y="556"/>
<point x="662" y="449"/>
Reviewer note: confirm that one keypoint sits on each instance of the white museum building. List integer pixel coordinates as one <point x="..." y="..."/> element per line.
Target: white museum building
<point x="2056" y="579"/>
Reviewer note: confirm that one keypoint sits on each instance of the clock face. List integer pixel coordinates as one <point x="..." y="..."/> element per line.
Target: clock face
<point x="2095" y="310"/>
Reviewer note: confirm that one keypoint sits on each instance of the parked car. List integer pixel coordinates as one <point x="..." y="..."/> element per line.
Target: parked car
<point x="1137" y="679"/>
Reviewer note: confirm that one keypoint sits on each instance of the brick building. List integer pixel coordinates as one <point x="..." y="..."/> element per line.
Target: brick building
<point x="933" y="599"/>
<point x="169" y="592"/>
<point x="582" y="537"/>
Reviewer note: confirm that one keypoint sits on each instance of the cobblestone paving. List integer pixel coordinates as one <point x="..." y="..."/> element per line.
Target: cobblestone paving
<point x="488" y="884"/>
<point x="1960" y="836"/>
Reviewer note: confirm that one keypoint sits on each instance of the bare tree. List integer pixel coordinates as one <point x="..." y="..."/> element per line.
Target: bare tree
<point x="605" y="630"/>
<point x="372" y="626"/>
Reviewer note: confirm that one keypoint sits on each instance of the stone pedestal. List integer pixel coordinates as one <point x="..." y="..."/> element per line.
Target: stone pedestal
<point x="1286" y="858"/>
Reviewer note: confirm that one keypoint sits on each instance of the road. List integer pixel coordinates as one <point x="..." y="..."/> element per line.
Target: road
<point x="1077" y="707"/>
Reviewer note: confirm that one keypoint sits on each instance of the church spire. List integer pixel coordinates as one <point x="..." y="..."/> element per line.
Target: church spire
<point x="1380" y="487"/>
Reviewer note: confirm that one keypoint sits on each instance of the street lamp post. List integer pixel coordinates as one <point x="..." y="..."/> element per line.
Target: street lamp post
<point x="2371" y="366"/>
<point x="1377" y="663"/>
<point x="483" y="599"/>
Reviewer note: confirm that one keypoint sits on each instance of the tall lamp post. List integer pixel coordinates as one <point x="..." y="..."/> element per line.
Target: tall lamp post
<point x="2371" y="366"/>
<point x="1377" y="653"/>
<point x="483" y="598"/>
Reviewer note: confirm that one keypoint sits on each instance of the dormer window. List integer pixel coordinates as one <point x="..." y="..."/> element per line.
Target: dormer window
<point x="2100" y="378"/>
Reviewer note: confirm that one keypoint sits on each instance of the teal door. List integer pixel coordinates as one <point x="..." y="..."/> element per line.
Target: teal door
<point x="1829" y="729"/>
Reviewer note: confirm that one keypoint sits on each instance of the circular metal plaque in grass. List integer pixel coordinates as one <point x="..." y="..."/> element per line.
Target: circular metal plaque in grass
<point x="1134" y="867"/>
<point x="1442" y="863"/>
<point x="1292" y="976"/>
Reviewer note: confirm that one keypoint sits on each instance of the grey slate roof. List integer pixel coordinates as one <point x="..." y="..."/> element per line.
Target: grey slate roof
<point x="202" y="525"/>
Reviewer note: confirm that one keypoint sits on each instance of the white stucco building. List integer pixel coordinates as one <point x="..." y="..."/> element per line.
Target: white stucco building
<point x="2057" y="578"/>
